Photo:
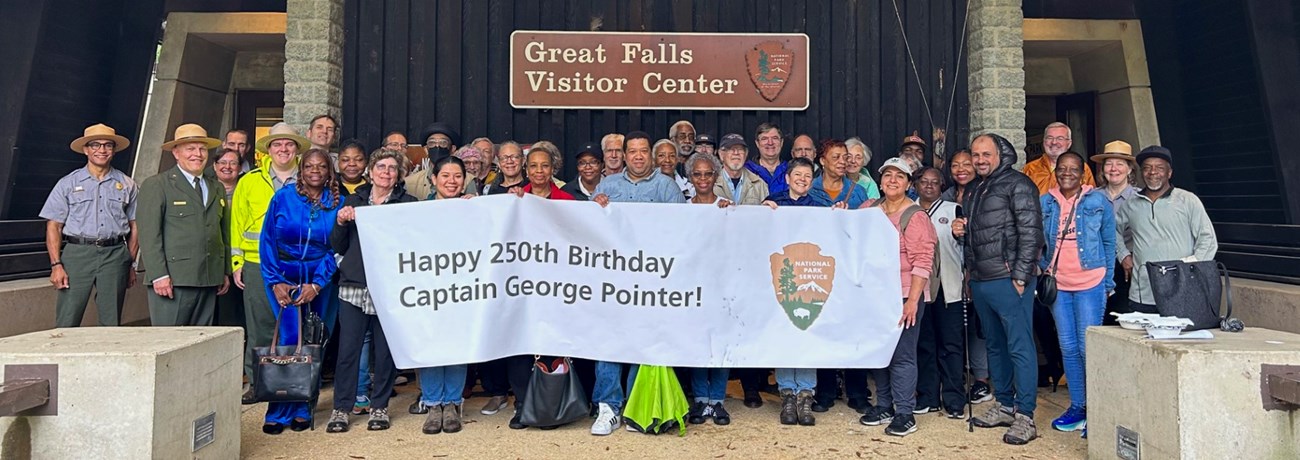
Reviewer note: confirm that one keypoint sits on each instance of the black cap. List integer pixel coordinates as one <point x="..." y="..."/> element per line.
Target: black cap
<point x="440" y="128"/>
<point x="590" y="148"/>
<point x="705" y="139"/>
<point x="1155" y="151"/>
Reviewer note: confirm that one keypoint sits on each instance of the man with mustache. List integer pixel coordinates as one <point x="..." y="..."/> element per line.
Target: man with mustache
<point x="93" y="209"/>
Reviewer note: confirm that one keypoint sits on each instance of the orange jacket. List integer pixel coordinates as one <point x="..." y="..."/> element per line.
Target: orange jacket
<point x="1040" y="171"/>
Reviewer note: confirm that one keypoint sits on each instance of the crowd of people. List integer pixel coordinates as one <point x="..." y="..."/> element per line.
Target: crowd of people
<point x="263" y="233"/>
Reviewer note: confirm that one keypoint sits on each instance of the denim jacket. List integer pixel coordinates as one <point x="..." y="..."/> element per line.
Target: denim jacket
<point x="1095" y="224"/>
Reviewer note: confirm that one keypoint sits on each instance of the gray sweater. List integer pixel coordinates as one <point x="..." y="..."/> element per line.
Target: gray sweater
<point x="1173" y="227"/>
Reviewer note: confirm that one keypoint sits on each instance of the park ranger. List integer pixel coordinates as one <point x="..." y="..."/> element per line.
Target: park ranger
<point x="93" y="210"/>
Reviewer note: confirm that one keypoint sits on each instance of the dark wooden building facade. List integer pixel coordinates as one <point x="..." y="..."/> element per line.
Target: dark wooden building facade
<point x="408" y="63"/>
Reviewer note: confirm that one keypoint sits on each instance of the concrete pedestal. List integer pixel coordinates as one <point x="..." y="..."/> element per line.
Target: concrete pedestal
<point x="128" y="393"/>
<point x="1198" y="399"/>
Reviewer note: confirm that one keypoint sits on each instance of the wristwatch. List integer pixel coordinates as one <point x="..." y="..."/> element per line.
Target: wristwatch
<point x="1020" y="283"/>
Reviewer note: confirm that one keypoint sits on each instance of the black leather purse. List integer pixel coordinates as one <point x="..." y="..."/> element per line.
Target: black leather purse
<point x="555" y="395"/>
<point x="1193" y="290"/>
<point x="288" y="373"/>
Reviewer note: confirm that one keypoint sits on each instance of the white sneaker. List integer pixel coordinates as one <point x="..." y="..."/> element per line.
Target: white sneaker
<point x="606" y="421"/>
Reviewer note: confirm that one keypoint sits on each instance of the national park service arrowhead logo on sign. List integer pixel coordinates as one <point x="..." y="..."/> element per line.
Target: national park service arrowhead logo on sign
<point x="769" y="65"/>
<point x="802" y="279"/>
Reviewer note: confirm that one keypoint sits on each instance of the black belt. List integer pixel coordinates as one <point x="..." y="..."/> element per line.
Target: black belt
<point x="102" y="242"/>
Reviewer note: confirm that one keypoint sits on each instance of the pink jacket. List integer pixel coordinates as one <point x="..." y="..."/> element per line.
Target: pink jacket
<point x="915" y="250"/>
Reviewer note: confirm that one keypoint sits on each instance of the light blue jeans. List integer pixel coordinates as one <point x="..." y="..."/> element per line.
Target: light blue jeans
<point x="442" y="384"/>
<point x="1074" y="311"/>
<point x="363" y="371"/>
<point x="709" y="384"/>
<point x="608" y="389"/>
<point x="796" y="380"/>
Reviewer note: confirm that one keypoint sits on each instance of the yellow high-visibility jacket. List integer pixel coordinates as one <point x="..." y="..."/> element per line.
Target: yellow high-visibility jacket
<point x="247" y="208"/>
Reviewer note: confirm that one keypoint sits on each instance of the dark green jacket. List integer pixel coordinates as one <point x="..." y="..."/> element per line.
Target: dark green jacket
<point x="180" y="235"/>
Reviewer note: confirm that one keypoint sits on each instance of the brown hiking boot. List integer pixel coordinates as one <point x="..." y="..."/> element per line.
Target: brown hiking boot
<point x="451" y="418"/>
<point x="788" y="409"/>
<point x="433" y="421"/>
<point x="804" y="411"/>
<point x="1022" y="431"/>
<point x="996" y="415"/>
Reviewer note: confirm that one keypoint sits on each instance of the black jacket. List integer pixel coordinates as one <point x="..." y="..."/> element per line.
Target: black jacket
<point x="344" y="238"/>
<point x="1004" y="235"/>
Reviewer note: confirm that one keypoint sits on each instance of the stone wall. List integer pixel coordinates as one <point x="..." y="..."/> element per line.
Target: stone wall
<point x="313" y="67"/>
<point x="996" y="70"/>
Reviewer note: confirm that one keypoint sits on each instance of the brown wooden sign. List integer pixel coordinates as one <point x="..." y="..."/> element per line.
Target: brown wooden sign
<point x="632" y="70"/>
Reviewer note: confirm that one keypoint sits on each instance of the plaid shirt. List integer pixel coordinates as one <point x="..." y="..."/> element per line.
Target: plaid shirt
<point x="358" y="296"/>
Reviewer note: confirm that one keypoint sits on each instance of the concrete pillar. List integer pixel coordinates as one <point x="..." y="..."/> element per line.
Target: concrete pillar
<point x="313" y="66"/>
<point x="995" y="69"/>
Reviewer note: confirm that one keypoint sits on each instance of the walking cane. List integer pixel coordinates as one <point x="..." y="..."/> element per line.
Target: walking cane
<point x="966" y="305"/>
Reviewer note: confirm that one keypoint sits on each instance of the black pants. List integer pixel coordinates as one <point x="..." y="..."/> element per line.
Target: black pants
<point x="854" y="381"/>
<point x="352" y="328"/>
<point x="752" y="379"/>
<point x="940" y="355"/>
<point x="1049" y="344"/>
<point x="1118" y="302"/>
<point x="492" y="375"/>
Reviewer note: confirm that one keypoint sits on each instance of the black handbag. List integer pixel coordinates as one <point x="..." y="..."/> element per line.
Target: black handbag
<point x="288" y="373"/>
<point x="1046" y="292"/>
<point x="555" y="395"/>
<point x="1192" y="290"/>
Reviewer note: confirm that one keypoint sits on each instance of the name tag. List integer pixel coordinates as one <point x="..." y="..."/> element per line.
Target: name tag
<point x="78" y="189"/>
<point x="178" y="203"/>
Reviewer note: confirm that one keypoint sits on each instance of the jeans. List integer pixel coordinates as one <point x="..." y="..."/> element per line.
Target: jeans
<point x="1074" y="312"/>
<point x="709" y="384"/>
<point x="896" y="384"/>
<point x="939" y="355"/>
<point x="355" y="328"/>
<point x="608" y="389"/>
<point x="796" y="380"/>
<point x="363" y="369"/>
<point x="442" y="384"/>
<point x="1008" y="322"/>
<point x="976" y="346"/>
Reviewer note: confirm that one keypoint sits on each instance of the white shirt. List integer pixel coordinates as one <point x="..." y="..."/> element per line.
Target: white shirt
<point x="941" y="215"/>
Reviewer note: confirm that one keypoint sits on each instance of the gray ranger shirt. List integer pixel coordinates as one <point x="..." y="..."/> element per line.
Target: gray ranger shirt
<point x="90" y="208"/>
<point x="1173" y="227"/>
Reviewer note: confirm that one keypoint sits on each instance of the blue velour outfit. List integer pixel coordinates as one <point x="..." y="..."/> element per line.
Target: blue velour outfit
<point x="295" y="250"/>
<point x="802" y="379"/>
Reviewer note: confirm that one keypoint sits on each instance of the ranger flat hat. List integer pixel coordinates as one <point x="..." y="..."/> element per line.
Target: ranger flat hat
<point x="190" y="132"/>
<point x="1115" y="149"/>
<point x="99" y="132"/>
<point x="282" y="130"/>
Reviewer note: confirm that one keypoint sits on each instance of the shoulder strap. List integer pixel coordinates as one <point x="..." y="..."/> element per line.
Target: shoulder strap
<point x="1060" y="233"/>
<point x="907" y="217"/>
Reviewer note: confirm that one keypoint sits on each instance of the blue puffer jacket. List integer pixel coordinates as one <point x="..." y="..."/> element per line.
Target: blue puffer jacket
<point x="1094" y="221"/>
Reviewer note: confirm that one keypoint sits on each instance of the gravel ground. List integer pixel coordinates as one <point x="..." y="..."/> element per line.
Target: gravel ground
<point x="753" y="434"/>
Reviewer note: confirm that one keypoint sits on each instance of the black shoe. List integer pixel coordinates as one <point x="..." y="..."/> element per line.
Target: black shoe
<point x="925" y="409"/>
<point x="752" y="399"/>
<point x="860" y="405"/>
<point x="548" y="428"/>
<point x="418" y="407"/>
<point x="902" y="425"/>
<point x="817" y="406"/>
<point x="273" y="428"/>
<point x="299" y="425"/>
<point x="249" y="397"/>
<point x="877" y="416"/>
<point x="720" y="415"/>
<point x="697" y="414"/>
<point x="515" y="423"/>
<point x="980" y="392"/>
<point x="954" y="413"/>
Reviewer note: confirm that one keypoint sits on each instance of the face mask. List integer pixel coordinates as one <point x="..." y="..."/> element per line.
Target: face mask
<point x="438" y="153"/>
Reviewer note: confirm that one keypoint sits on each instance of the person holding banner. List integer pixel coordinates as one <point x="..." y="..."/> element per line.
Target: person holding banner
<point x="510" y="160"/>
<point x="298" y="264"/>
<point x="442" y="387"/>
<point x="357" y="316"/>
<point x="665" y="152"/>
<point x="709" y="385"/>
<point x="797" y="386"/>
<point x="896" y="384"/>
<point x="639" y="182"/>
<point x="540" y="167"/>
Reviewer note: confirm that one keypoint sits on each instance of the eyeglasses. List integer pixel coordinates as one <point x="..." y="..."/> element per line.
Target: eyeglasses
<point x="928" y="183"/>
<point x="1056" y="139"/>
<point x="685" y="136"/>
<point x="583" y="164"/>
<point x="703" y="174"/>
<point x="395" y="145"/>
<point x="384" y="167"/>
<point x="228" y="163"/>
<point x="101" y="145"/>
<point x="439" y="143"/>
<point x="510" y="157"/>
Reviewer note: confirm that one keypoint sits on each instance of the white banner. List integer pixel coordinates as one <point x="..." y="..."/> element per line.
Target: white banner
<point x="464" y="281"/>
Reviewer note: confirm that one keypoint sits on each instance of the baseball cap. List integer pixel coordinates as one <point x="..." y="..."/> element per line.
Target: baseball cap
<point x="590" y="148"/>
<point x="896" y="163"/>
<point x="705" y="139"/>
<point x="730" y="140"/>
<point x="1155" y="151"/>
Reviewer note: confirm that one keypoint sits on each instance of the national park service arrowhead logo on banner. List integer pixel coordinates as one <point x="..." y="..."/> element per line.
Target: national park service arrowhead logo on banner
<point x="802" y="279"/>
<point x="769" y="65"/>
